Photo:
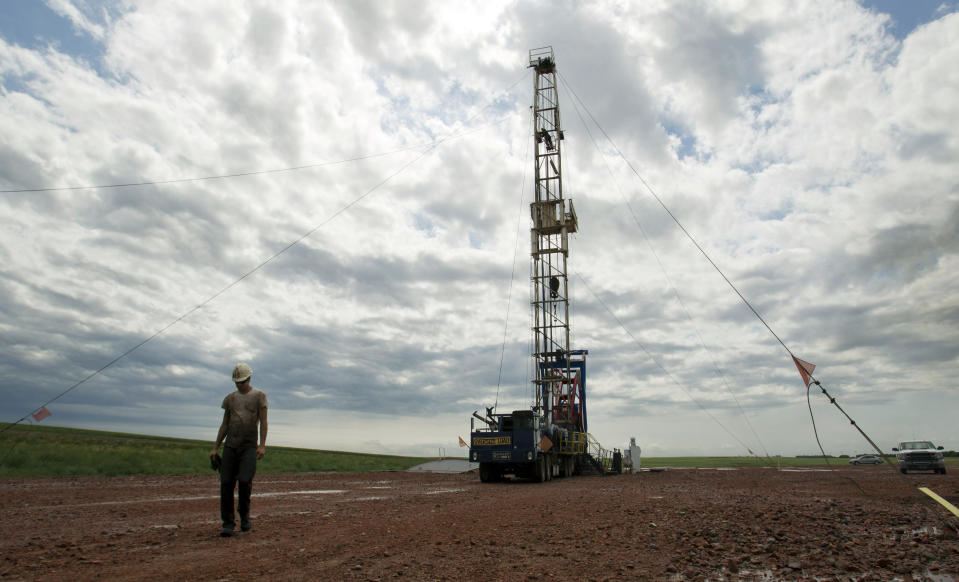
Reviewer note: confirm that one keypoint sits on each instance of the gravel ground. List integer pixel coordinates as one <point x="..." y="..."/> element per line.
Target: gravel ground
<point x="852" y="523"/>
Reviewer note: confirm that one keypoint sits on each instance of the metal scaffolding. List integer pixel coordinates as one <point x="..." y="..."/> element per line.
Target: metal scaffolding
<point x="558" y="383"/>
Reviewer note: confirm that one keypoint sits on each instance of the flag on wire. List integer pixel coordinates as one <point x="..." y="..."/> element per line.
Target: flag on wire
<point x="462" y="442"/>
<point x="41" y="414"/>
<point x="805" y="369"/>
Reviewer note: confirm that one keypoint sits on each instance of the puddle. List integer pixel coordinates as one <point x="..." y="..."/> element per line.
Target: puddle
<point x="771" y="576"/>
<point x="306" y="492"/>
<point x="202" y="497"/>
<point x="910" y="533"/>
<point x="438" y="491"/>
<point x="131" y="501"/>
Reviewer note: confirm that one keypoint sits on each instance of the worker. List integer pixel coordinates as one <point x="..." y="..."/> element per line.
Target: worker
<point x="243" y="411"/>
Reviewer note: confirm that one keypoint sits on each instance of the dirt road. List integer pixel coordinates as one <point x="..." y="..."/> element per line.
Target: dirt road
<point x="855" y="523"/>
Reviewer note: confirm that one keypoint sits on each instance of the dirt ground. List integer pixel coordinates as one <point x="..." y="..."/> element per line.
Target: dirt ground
<point x="854" y="523"/>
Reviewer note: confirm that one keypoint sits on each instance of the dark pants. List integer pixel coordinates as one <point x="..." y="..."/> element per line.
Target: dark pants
<point x="239" y="466"/>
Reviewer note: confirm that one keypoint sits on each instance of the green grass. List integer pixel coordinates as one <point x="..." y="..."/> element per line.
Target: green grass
<point x="45" y="451"/>
<point x="679" y="462"/>
<point x="35" y="451"/>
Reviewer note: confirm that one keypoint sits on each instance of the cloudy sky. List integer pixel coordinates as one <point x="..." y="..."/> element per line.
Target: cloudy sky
<point x="811" y="149"/>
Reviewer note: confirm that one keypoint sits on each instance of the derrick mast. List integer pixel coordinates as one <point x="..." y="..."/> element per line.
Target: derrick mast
<point x="558" y="387"/>
<point x="550" y="438"/>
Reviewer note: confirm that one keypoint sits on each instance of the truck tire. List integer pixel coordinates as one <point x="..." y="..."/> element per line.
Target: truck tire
<point x="565" y="467"/>
<point x="486" y="473"/>
<point x="539" y="470"/>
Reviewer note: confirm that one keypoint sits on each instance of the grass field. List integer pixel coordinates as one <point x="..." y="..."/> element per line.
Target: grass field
<point x="952" y="463"/>
<point x="44" y="451"/>
<point x="674" y="462"/>
<point x="36" y="451"/>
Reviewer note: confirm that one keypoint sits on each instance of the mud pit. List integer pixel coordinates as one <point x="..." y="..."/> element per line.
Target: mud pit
<point x="746" y="524"/>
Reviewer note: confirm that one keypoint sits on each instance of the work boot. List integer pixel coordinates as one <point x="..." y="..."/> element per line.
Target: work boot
<point x="245" y="524"/>
<point x="226" y="532"/>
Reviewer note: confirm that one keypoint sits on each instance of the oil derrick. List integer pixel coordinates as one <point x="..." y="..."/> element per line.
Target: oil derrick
<point x="550" y="438"/>
<point x="558" y="383"/>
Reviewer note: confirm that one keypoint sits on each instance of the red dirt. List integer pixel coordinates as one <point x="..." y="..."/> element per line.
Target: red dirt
<point x="855" y="523"/>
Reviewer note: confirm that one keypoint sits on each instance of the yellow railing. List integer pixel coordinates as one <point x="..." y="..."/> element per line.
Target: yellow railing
<point x="574" y="444"/>
<point x="602" y="455"/>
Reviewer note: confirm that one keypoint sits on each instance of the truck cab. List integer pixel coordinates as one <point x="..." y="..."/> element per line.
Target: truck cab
<point x="510" y="444"/>
<point x="919" y="456"/>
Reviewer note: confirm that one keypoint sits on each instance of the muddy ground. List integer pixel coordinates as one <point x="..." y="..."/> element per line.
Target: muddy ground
<point x="855" y="523"/>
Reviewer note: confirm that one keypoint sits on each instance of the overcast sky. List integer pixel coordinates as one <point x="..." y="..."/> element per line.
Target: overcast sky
<point x="811" y="149"/>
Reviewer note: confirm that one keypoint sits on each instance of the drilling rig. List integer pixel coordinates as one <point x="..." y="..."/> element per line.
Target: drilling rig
<point x="550" y="439"/>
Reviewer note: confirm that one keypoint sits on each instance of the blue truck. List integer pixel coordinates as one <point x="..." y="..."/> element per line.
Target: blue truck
<point x="546" y="441"/>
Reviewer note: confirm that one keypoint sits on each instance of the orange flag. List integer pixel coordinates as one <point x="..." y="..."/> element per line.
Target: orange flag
<point x="462" y="442"/>
<point x="41" y="414"/>
<point x="545" y="444"/>
<point x="805" y="369"/>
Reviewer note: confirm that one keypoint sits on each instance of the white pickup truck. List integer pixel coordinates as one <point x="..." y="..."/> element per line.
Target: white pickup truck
<point x="920" y="456"/>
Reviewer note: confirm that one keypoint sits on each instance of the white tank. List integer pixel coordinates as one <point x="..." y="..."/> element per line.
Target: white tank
<point x="634" y="453"/>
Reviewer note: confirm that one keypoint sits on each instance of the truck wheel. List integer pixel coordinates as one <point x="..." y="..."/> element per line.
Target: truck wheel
<point x="486" y="473"/>
<point x="539" y="471"/>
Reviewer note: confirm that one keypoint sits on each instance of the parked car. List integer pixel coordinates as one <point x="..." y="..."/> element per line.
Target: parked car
<point x="920" y="456"/>
<point x="866" y="460"/>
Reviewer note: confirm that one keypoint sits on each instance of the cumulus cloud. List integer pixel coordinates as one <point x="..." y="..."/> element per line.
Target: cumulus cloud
<point x="818" y="175"/>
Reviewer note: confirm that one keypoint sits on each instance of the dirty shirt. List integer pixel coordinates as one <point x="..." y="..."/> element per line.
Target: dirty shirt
<point x="244" y="417"/>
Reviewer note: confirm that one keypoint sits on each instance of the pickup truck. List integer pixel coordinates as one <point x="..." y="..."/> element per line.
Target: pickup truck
<point x="920" y="456"/>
